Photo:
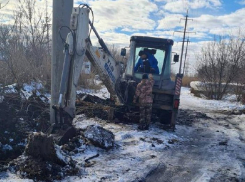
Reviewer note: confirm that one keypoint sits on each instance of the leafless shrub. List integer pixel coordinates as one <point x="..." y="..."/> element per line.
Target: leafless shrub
<point x="24" y="46"/>
<point x="220" y="65"/>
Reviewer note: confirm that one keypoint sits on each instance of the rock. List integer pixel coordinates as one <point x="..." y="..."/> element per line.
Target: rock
<point x="237" y="112"/>
<point x="42" y="146"/>
<point x="223" y="142"/>
<point x="100" y="137"/>
<point x="172" y="141"/>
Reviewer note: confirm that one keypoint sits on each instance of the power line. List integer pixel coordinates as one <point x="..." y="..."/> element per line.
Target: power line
<point x="1" y="7"/>
<point x="183" y="42"/>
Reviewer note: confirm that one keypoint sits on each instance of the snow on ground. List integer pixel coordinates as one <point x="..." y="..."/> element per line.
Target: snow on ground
<point x="102" y="93"/>
<point x="26" y="91"/>
<point x="136" y="153"/>
<point x="189" y="101"/>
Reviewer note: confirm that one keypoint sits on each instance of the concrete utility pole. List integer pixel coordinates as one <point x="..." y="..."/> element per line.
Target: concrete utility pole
<point x="183" y="42"/>
<point x="186" y="65"/>
<point x="61" y="17"/>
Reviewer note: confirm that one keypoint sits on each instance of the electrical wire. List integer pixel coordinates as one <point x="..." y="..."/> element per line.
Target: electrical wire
<point x="63" y="40"/>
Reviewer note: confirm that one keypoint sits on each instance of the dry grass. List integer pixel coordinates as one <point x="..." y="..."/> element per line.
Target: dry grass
<point x="87" y="81"/>
<point x="187" y="80"/>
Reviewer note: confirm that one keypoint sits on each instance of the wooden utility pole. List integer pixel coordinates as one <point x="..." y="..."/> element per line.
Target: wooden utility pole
<point x="61" y="17"/>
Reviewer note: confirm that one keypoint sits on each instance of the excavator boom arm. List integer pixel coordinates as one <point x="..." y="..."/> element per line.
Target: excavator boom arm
<point x="78" y="45"/>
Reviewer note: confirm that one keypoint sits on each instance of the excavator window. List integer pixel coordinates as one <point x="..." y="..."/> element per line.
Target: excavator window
<point x="149" y="57"/>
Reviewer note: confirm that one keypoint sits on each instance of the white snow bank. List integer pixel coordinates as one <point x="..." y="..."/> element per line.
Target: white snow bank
<point x="189" y="101"/>
<point x="202" y="86"/>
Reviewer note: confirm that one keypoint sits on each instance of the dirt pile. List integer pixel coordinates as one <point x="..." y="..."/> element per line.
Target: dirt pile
<point x="93" y="106"/>
<point x="43" y="160"/>
<point x="106" y="109"/>
<point x="18" y="117"/>
<point x="41" y="170"/>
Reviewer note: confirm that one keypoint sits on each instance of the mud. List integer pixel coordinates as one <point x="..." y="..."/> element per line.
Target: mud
<point x="225" y="175"/>
<point x="189" y="117"/>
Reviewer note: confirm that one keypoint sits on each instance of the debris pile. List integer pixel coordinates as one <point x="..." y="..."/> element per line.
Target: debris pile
<point x="43" y="160"/>
<point x="93" y="106"/>
<point x="46" y="161"/>
<point x="18" y="117"/>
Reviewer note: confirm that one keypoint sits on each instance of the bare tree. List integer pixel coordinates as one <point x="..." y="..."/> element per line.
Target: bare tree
<point x="220" y="63"/>
<point x="24" y="46"/>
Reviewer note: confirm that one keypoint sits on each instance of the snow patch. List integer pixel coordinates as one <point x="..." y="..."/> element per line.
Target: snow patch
<point x="61" y="154"/>
<point x="7" y="147"/>
<point x="1" y="99"/>
<point x="134" y="155"/>
<point x="189" y="101"/>
<point x="102" y="93"/>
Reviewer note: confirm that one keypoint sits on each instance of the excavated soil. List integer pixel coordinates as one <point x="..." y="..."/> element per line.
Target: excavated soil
<point x="17" y="119"/>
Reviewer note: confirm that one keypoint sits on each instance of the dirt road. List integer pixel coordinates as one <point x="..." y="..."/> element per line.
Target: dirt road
<point x="213" y="150"/>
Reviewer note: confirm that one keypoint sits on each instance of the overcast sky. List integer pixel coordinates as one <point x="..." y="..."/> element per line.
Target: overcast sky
<point x="117" y="20"/>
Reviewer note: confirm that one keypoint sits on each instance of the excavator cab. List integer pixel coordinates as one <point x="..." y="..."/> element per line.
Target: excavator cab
<point x="158" y="52"/>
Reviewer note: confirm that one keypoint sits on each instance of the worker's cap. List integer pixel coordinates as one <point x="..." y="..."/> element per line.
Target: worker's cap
<point x="142" y="53"/>
<point x="151" y="51"/>
<point x="145" y="76"/>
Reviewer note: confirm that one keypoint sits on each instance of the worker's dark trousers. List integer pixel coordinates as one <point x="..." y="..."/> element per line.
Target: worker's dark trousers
<point x="145" y="115"/>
